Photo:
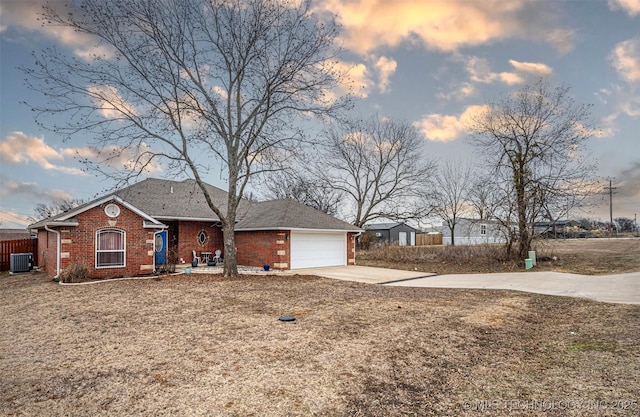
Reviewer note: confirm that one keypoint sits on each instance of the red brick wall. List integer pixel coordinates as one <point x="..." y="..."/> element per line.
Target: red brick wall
<point x="47" y="244"/>
<point x="351" y="248"/>
<point x="79" y="244"/>
<point x="273" y="247"/>
<point x="258" y="247"/>
<point x="188" y="239"/>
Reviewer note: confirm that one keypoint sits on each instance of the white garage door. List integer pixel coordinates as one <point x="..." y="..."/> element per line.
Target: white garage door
<point x="310" y="250"/>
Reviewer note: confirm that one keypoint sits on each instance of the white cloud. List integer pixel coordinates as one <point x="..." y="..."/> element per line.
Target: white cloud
<point x="444" y="25"/>
<point x="510" y="78"/>
<point x="357" y="81"/>
<point x="625" y="98"/>
<point x="221" y="92"/>
<point x="18" y="148"/>
<point x="458" y="93"/>
<point x="112" y="105"/>
<point x="361" y="77"/>
<point x="446" y="128"/>
<point x="630" y="106"/>
<point x="117" y="157"/>
<point x="385" y="67"/>
<point x="26" y="15"/>
<point x="479" y="70"/>
<point x="632" y="7"/>
<point x="440" y="128"/>
<point x="534" y="68"/>
<point x="625" y="58"/>
<point x="606" y="132"/>
<point x="562" y="39"/>
<point x="11" y="188"/>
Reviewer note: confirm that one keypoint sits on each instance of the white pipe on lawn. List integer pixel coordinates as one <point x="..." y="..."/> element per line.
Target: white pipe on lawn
<point x="57" y="250"/>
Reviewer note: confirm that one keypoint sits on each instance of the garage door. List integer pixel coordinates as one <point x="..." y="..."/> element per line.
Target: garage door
<point x="310" y="250"/>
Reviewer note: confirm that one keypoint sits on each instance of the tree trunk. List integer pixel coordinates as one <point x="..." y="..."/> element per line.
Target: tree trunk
<point x="524" y="242"/>
<point x="230" y="255"/>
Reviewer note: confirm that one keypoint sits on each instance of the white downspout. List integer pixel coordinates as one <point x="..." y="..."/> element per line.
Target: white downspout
<point x="57" y="277"/>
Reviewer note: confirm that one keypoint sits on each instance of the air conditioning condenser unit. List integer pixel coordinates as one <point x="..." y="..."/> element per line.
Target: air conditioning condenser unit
<point x="21" y="262"/>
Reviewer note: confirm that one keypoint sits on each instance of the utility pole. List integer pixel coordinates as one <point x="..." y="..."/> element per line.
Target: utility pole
<point x="610" y="188"/>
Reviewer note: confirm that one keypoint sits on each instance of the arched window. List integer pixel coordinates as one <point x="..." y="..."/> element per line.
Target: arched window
<point x="110" y="248"/>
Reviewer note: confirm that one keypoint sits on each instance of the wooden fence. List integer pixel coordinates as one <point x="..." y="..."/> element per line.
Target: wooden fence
<point x="7" y="247"/>
<point x="428" y="239"/>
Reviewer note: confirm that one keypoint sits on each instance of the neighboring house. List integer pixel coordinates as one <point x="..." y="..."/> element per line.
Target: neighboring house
<point x="473" y="232"/>
<point x="399" y="233"/>
<point x="131" y="231"/>
<point x="15" y="234"/>
<point x="558" y="228"/>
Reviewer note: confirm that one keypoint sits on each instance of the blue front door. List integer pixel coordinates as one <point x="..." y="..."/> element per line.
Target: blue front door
<point x="160" y="247"/>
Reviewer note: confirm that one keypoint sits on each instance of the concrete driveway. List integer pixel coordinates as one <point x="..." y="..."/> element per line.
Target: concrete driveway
<point x="622" y="288"/>
<point x="366" y="274"/>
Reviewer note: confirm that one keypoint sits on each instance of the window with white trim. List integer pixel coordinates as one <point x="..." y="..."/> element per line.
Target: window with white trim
<point x="483" y="229"/>
<point x="110" y="248"/>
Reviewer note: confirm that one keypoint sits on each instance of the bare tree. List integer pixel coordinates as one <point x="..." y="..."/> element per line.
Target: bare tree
<point x="483" y="196"/>
<point x="42" y="211"/>
<point x="191" y="84"/>
<point x="453" y="186"/>
<point x="533" y="141"/>
<point x="300" y="187"/>
<point x="377" y="164"/>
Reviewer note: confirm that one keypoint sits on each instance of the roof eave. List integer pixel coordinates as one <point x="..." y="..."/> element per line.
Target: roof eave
<point x="192" y="219"/>
<point x="153" y="225"/>
<point x="55" y="223"/>
<point x="305" y="229"/>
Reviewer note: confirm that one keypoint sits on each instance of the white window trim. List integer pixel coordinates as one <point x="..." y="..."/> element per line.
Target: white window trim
<point x="124" y="250"/>
<point x="483" y="229"/>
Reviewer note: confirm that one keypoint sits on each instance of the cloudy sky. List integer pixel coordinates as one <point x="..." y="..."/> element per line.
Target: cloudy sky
<point x="431" y="62"/>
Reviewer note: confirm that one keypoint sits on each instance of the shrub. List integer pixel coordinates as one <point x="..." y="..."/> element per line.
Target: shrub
<point x="74" y="273"/>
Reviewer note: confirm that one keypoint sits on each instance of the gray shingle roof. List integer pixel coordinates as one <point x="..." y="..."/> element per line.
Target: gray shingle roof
<point x="381" y="226"/>
<point x="164" y="199"/>
<point x="183" y="200"/>
<point x="289" y="214"/>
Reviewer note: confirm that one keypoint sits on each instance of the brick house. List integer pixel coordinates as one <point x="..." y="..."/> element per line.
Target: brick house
<point x="132" y="231"/>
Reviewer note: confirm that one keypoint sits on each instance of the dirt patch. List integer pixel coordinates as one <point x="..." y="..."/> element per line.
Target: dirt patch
<point x="496" y="314"/>
<point x="202" y="345"/>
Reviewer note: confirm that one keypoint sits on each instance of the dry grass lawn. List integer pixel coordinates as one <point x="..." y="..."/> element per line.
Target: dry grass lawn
<point x="196" y="345"/>
<point x="580" y="256"/>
